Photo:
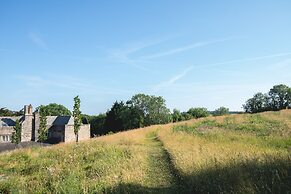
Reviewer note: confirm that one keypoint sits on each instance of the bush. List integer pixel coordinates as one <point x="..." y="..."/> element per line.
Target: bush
<point x="198" y="112"/>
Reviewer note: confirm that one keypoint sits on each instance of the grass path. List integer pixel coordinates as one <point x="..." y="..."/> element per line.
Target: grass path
<point x="161" y="174"/>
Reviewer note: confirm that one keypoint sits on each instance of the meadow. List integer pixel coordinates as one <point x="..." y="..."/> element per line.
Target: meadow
<point x="245" y="153"/>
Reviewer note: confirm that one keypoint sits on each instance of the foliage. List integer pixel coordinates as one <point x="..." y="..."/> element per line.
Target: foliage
<point x="77" y="117"/>
<point x="198" y="112"/>
<point x="43" y="130"/>
<point x="278" y="98"/>
<point x="16" y="134"/>
<point x="97" y="124"/>
<point x="4" y="112"/>
<point x="141" y="110"/>
<point x="53" y="109"/>
<point x="177" y="116"/>
<point x="221" y="111"/>
<point x="152" y="109"/>
<point x="258" y="103"/>
<point x="114" y="120"/>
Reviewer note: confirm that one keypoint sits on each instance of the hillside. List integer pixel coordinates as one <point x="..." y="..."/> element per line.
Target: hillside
<point x="236" y="153"/>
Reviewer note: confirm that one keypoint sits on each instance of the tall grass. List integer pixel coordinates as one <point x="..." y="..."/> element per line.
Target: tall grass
<point x="227" y="154"/>
<point x="233" y="154"/>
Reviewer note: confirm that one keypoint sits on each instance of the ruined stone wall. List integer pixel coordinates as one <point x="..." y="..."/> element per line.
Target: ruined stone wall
<point x="84" y="133"/>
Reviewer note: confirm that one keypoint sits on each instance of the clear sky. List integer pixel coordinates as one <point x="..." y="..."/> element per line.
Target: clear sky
<point x="193" y="53"/>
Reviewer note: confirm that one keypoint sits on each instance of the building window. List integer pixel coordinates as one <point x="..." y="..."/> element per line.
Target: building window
<point x="5" y="138"/>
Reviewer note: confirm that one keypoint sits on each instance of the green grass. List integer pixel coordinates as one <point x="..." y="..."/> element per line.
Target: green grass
<point x="228" y="154"/>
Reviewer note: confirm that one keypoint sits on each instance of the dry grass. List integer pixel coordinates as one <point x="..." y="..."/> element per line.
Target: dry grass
<point x="237" y="153"/>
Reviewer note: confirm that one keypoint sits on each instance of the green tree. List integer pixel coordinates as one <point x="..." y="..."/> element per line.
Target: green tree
<point x="16" y="134"/>
<point x="114" y="120"/>
<point x="221" y="111"/>
<point x="258" y="103"/>
<point x="9" y="113"/>
<point x="186" y="116"/>
<point x="289" y="98"/>
<point x="198" y="112"/>
<point x="152" y="108"/>
<point x="53" y="109"/>
<point x="132" y="117"/>
<point x="43" y="130"/>
<point x="177" y="116"/>
<point x="77" y="117"/>
<point x="97" y="124"/>
<point x="279" y="97"/>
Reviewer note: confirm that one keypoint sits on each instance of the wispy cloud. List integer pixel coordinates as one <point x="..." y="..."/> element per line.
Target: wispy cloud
<point x="123" y="55"/>
<point x="173" y="79"/>
<point x="66" y="83"/>
<point x="41" y="82"/>
<point x="248" y="59"/>
<point x="38" y="40"/>
<point x="184" y="48"/>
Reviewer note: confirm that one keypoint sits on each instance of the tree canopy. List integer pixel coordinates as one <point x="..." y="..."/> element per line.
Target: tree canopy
<point x="5" y="112"/>
<point x="278" y="98"/>
<point x="53" y="109"/>
<point x="221" y="111"/>
<point x="198" y="112"/>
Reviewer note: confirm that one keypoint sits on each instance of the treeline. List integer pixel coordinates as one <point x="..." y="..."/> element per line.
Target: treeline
<point x="278" y="98"/>
<point x="141" y="111"/>
<point x="9" y="113"/>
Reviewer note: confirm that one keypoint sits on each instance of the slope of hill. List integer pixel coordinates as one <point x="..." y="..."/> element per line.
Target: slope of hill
<point x="236" y="153"/>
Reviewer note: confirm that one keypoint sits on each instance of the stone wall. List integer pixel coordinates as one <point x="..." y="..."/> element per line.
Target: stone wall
<point x="35" y="128"/>
<point x="26" y="128"/>
<point x="56" y="134"/>
<point x="6" y="133"/>
<point x="84" y="133"/>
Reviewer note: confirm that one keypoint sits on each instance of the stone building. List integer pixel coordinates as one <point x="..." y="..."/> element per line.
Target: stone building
<point x="60" y="128"/>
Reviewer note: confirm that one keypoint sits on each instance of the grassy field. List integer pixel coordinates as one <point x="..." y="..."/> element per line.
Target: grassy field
<point x="227" y="154"/>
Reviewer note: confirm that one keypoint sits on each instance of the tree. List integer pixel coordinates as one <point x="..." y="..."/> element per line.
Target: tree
<point x="9" y="113"/>
<point x="77" y="117"/>
<point x="198" y="112"/>
<point x="114" y="119"/>
<point x="152" y="109"/>
<point x="221" y="111"/>
<point x="177" y="116"/>
<point x="43" y="130"/>
<point x="97" y="124"/>
<point x="53" y="109"/>
<point x="258" y="103"/>
<point x="132" y="117"/>
<point x="186" y="116"/>
<point x="279" y="97"/>
<point x="16" y="134"/>
<point x="289" y="98"/>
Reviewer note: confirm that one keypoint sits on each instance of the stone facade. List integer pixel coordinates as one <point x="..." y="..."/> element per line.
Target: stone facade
<point x="60" y="128"/>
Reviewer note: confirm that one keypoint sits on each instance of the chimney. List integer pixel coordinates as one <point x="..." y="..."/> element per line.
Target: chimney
<point x="28" y="110"/>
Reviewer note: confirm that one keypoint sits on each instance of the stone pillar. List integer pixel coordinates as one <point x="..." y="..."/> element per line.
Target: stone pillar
<point x="27" y="124"/>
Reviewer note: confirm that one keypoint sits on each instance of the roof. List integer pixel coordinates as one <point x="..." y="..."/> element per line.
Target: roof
<point x="51" y="120"/>
<point x="8" y="121"/>
<point x="60" y="120"/>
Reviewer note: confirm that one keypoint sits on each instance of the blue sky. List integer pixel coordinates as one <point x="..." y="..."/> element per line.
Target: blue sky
<point x="193" y="53"/>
